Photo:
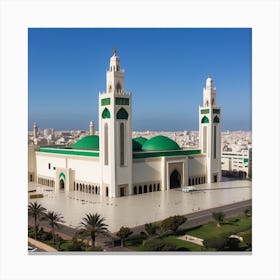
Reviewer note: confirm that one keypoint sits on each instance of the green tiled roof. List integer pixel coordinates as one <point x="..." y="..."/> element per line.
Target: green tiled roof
<point x="90" y="142"/>
<point x="160" y="143"/>
<point x="138" y="142"/>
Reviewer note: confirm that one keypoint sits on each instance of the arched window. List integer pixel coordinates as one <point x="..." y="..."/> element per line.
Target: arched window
<point x="140" y="190"/>
<point x="205" y="120"/>
<point x="122" y="144"/>
<point x="106" y="156"/>
<point x="158" y="187"/>
<point x="215" y="141"/>
<point x="135" y="190"/>
<point x="216" y="119"/>
<point x="145" y="188"/>
<point x="150" y="188"/>
<point x="106" y="114"/>
<point x="119" y="87"/>
<point x="122" y="114"/>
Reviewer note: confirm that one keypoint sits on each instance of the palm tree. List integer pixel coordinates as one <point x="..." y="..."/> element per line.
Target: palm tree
<point x="218" y="217"/>
<point x="152" y="229"/>
<point x="92" y="225"/>
<point x="53" y="218"/>
<point x="36" y="210"/>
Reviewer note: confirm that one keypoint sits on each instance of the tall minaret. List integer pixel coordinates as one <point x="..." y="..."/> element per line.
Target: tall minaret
<point x="115" y="134"/>
<point x="210" y="132"/>
<point x="91" y="128"/>
<point x="35" y="132"/>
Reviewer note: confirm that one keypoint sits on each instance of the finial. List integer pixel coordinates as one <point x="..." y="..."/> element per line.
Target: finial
<point x="115" y="51"/>
<point x="209" y="76"/>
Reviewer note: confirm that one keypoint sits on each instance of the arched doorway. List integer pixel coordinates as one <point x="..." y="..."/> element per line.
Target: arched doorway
<point x="61" y="184"/>
<point x="175" y="179"/>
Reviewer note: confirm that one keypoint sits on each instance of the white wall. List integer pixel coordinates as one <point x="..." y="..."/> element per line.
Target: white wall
<point x="146" y="170"/>
<point x="43" y="161"/>
<point x="85" y="169"/>
<point x="196" y="166"/>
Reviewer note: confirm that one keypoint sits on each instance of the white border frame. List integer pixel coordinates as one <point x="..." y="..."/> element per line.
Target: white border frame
<point x="262" y="16"/>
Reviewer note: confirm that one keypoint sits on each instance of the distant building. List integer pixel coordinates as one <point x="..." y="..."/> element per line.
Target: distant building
<point x="113" y="164"/>
<point x="237" y="164"/>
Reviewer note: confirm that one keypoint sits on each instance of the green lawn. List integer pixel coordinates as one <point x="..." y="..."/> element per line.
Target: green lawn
<point x="183" y="244"/>
<point x="234" y="225"/>
<point x="227" y="228"/>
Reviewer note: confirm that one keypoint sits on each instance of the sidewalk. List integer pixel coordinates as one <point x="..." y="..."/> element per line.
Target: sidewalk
<point x="192" y="239"/>
<point x="41" y="245"/>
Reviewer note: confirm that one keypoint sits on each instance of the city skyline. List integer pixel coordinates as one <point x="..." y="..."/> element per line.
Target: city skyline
<point x="165" y="69"/>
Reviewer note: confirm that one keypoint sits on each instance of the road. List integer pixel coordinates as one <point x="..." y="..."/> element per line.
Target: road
<point x="194" y="219"/>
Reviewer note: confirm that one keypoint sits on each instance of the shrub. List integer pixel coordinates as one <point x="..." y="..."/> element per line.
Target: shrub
<point x="45" y="236"/>
<point x="158" y="245"/>
<point x="173" y="222"/>
<point x="218" y="243"/>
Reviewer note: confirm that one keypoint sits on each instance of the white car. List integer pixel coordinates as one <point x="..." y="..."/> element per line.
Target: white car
<point x="32" y="249"/>
<point x="189" y="189"/>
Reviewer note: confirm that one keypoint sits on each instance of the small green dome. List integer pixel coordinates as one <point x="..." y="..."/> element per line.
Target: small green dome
<point x="160" y="143"/>
<point x="90" y="142"/>
<point x="138" y="142"/>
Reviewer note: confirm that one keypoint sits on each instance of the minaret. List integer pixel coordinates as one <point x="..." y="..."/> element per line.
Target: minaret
<point x="210" y="132"/>
<point x="35" y="132"/>
<point x="91" y="128"/>
<point x="115" y="134"/>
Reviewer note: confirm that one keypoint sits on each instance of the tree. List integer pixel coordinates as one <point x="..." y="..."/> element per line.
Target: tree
<point x="123" y="233"/>
<point x="36" y="210"/>
<point x="173" y="223"/>
<point x="218" y="217"/>
<point x="53" y="218"/>
<point x="93" y="225"/>
<point x="248" y="212"/>
<point x="152" y="229"/>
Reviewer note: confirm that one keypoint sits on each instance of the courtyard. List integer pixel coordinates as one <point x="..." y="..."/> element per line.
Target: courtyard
<point x="136" y="210"/>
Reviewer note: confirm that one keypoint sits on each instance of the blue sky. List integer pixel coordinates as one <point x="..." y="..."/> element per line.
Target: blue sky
<point x="165" y="69"/>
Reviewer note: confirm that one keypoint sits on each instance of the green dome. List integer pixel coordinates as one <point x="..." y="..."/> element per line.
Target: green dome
<point x="138" y="142"/>
<point x="160" y="143"/>
<point x="90" y="142"/>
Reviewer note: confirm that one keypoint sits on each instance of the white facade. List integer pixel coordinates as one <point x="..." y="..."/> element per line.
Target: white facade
<point x="210" y="132"/>
<point x="114" y="167"/>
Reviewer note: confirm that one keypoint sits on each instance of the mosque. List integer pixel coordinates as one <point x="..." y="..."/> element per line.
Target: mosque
<point x="113" y="164"/>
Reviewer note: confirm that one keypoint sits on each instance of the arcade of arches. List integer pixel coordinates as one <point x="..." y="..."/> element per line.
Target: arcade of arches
<point x="89" y="188"/>
<point x="145" y="188"/>
<point x="46" y="182"/>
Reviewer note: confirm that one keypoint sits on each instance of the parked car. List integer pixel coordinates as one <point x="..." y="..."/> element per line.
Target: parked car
<point x="189" y="189"/>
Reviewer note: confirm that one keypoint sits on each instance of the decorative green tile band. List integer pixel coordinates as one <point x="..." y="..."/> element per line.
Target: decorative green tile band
<point x="69" y="152"/>
<point x="246" y="159"/>
<point x="216" y="111"/>
<point x="62" y="175"/>
<point x="204" y="111"/>
<point x="122" y="101"/>
<point x="105" y="101"/>
<point x="165" y="153"/>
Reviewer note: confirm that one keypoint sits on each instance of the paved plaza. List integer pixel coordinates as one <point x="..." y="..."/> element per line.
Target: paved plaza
<point x="140" y="209"/>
